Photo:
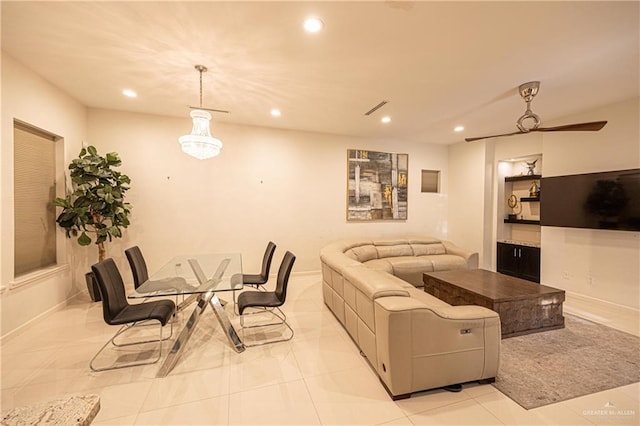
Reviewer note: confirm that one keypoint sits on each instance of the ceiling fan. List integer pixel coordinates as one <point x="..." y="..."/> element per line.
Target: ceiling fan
<point x="528" y="91"/>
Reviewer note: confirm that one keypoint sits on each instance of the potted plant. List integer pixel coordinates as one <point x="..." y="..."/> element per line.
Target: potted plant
<point x="95" y="209"/>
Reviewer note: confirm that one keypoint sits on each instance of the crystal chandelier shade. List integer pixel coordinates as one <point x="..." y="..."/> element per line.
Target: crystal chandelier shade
<point x="200" y="144"/>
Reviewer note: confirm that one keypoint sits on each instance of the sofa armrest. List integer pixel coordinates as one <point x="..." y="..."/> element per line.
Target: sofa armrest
<point x="338" y="261"/>
<point x="471" y="257"/>
<point x="374" y="284"/>
<point x="465" y="312"/>
<point x="419" y="347"/>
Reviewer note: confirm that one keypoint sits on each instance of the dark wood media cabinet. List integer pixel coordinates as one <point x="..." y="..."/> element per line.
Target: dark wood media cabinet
<point x="519" y="260"/>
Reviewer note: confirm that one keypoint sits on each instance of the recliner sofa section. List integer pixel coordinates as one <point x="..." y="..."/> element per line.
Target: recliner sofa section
<point x="413" y="340"/>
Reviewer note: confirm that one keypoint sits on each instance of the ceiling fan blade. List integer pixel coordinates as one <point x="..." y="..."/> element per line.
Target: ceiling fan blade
<point x="592" y="126"/>
<point x="492" y="136"/>
<point x="210" y="109"/>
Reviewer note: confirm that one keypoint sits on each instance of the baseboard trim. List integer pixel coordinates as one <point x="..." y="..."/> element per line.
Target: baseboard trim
<point x="16" y="331"/>
<point x="614" y="315"/>
<point x="303" y="273"/>
<point x="603" y="304"/>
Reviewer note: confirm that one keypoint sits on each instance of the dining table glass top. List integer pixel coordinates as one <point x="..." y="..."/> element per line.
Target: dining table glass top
<point x="194" y="274"/>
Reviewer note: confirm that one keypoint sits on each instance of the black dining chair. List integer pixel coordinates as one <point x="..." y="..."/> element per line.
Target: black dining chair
<point x="258" y="280"/>
<point x="139" y="268"/>
<point x="117" y="311"/>
<point x="138" y="265"/>
<point x="268" y="301"/>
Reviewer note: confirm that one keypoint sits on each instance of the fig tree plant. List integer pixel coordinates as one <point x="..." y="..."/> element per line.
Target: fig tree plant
<point x="95" y="210"/>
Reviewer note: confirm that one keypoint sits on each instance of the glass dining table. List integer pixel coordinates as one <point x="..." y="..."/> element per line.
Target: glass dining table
<point x="198" y="277"/>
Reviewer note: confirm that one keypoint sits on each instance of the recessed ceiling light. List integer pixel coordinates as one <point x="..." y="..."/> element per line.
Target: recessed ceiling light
<point x="386" y="119"/>
<point x="276" y="112"/>
<point x="129" y="93"/>
<point x="458" y="128"/>
<point x="313" y="25"/>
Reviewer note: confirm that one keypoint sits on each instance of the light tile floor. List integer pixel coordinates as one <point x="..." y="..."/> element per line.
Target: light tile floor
<point x="319" y="377"/>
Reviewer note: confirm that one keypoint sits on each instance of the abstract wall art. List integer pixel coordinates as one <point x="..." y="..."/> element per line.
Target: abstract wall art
<point x="376" y="185"/>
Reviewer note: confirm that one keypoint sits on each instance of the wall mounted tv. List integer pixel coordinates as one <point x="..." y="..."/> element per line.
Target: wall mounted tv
<point x="608" y="200"/>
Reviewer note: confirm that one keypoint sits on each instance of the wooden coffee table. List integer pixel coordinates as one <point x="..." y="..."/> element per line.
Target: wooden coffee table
<point x="524" y="307"/>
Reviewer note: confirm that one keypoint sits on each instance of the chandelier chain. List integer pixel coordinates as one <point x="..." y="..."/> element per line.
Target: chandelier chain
<point x="200" y="88"/>
<point x="201" y="69"/>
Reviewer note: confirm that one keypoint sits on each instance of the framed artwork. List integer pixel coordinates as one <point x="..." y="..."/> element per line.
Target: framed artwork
<point x="376" y="185"/>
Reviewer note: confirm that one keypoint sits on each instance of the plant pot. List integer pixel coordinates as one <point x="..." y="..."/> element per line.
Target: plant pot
<point x="92" y="286"/>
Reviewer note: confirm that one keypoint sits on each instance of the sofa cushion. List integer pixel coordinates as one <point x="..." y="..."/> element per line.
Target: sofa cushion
<point x="394" y="250"/>
<point x="362" y="253"/>
<point x="423" y="240"/>
<point x="446" y="262"/>
<point x="374" y="284"/>
<point x="390" y="242"/>
<point x="380" y="265"/>
<point x="410" y="268"/>
<point x="428" y="249"/>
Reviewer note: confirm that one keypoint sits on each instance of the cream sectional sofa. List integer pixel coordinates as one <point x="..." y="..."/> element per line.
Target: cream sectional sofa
<point x="413" y="340"/>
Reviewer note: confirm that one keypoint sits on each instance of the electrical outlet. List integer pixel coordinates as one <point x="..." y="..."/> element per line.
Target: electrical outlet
<point x="565" y="275"/>
<point x="591" y="280"/>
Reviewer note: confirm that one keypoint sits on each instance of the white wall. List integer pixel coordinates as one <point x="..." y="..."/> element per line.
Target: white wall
<point x="27" y="97"/>
<point x="468" y="196"/>
<point x="267" y="184"/>
<point x="598" y="264"/>
<point x="593" y="264"/>
<point x="286" y="186"/>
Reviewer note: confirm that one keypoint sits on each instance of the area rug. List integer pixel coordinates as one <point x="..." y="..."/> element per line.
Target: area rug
<point x="551" y="366"/>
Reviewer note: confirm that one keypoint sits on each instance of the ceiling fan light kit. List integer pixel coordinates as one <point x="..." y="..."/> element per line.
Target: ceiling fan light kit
<point x="200" y="144"/>
<point x="528" y="91"/>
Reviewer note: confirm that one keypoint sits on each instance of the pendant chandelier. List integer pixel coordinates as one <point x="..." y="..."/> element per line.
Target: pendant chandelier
<point x="200" y="144"/>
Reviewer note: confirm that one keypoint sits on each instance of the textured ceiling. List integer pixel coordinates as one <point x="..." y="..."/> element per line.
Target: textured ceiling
<point x="439" y="64"/>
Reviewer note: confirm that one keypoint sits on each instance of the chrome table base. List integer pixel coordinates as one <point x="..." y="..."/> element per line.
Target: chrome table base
<point x="203" y="300"/>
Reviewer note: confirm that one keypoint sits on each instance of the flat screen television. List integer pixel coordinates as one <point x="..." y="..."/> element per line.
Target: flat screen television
<point x="608" y="200"/>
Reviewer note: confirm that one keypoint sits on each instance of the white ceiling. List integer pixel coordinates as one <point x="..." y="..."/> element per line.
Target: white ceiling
<point x="439" y="64"/>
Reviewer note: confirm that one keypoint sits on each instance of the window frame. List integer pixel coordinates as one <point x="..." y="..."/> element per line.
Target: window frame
<point x="61" y="263"/>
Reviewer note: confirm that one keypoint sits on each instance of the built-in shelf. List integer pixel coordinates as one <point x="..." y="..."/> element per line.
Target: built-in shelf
<point x="521" y="258"/>
<point x="523" y="221"/>
<point x="523" y="177"/>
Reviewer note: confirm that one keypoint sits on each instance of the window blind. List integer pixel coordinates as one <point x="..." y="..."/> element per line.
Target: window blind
<point x="34" y="191"/>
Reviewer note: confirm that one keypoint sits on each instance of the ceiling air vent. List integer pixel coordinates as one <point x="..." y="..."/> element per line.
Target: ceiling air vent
<point x="375" y="108"/>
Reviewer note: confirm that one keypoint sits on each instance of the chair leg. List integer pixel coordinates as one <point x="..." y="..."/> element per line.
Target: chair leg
<point x="112" y="341"/>
<point x="235" y="303"/>
<point x="137" y="324"/>
<point x="283" y="321"/>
